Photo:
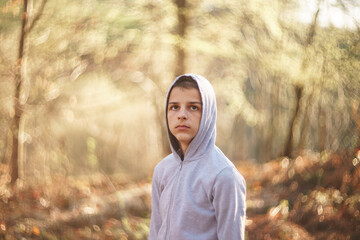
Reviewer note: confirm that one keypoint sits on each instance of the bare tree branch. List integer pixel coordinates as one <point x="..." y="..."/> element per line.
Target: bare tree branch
<point x="312" y="31"/>
<point x="37" y="16"/>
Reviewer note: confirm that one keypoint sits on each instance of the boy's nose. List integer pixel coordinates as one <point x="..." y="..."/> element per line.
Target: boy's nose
<point x="182" y="114"/>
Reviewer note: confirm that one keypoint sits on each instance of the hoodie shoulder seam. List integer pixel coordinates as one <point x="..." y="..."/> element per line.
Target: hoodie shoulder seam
<point x="217" y="175"/>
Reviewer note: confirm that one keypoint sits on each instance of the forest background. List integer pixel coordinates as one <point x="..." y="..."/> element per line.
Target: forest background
<point x="83" y="83"/>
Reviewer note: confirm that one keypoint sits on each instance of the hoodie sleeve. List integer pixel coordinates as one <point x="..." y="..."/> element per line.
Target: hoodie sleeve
<point x="229" y="201"/>
<point x="155" y="221"/>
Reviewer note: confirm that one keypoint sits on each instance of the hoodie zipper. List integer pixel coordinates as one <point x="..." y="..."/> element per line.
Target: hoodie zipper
<point x="172" y="200"/>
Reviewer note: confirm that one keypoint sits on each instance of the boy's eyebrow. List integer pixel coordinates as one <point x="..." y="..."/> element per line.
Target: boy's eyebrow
<point x="196" y="103"/>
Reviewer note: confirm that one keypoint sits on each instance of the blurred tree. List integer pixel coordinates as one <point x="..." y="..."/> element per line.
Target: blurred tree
<point x="27" y="23"/>
<point x="289" y="143"/>
<point x="182" y="18"/>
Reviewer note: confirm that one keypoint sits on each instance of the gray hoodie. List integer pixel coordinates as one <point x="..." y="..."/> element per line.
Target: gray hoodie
<point x="201" y="197"/>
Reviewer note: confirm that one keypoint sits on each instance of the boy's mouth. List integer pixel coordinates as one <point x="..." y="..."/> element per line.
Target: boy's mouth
<point x="182" y="127"/>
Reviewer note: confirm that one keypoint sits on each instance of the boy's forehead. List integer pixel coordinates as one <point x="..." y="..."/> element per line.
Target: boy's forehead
<point x="181" y="91"/>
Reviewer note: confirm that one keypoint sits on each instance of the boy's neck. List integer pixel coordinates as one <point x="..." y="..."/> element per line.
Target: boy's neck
<point x="184" y="148"/>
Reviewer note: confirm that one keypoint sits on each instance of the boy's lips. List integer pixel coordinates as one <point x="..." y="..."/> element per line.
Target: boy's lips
<point x="182" y="127"/>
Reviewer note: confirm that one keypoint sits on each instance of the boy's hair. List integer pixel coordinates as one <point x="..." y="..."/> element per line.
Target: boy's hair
<point x="185" y="82"/>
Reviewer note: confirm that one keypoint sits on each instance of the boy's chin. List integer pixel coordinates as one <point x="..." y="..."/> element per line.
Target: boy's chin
<point x="184" y="140"/>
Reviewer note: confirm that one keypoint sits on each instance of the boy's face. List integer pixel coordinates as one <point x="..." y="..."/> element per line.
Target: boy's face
<point x="184" y="114"/>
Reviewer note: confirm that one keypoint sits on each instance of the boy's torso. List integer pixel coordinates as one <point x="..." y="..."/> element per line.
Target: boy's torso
<point x="186" y="196"/>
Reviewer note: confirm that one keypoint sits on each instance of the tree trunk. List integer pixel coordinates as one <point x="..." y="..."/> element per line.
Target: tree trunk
<point x="322" y="128"/>
<point x="356" y="119"/>
<point x="26" y="27"/>
<point x="289" y="143"/>
<point x="236" y="144"/>
<point x="304" y="135"/>
<point x="181" y="32"/>
<point x="266" y="152"/>
<point x="17" y="108"/>
<point x="308" y="42"/>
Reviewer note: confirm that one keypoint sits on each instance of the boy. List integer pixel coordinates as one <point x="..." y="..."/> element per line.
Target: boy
<point x="197" y="193"/>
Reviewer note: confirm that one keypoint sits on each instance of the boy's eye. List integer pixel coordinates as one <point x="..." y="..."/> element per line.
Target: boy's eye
<point x="174" y="107"/>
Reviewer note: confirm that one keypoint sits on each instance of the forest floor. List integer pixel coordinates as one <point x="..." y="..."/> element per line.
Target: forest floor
<point x="316" y="196"/>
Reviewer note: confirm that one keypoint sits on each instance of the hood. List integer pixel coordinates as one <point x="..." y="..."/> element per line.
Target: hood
<point x="205" y="137"/>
